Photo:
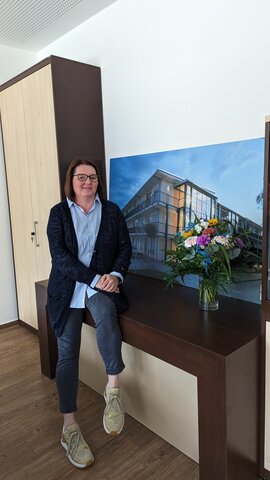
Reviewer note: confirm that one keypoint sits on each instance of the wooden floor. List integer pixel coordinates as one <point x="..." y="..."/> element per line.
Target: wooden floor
<point x="30" y="428"/>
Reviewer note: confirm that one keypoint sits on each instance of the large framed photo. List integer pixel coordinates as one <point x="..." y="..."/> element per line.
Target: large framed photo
<point x="160" y="193"/>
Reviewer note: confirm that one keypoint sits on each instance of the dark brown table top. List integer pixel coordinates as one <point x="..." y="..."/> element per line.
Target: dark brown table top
<point x="175" y="312"/>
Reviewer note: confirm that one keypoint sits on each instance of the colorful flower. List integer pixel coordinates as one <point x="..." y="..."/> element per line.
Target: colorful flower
<point x="187" y="234"/>
<point x="239" y="242"/>
<point x="221" y="240"/>
<point x="203" y="223"/>
<point x="203" y="240"/>
<point x="198" y="228"/>
<point x="209" y="231"/>
<point x="212" y="222"/>
<point x="190" y="242"/>
<point x="206" y="248"/>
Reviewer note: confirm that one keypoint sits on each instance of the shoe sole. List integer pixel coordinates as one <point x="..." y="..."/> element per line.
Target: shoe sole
<point x="78" y="465"/>
<point x="113" y="433"/>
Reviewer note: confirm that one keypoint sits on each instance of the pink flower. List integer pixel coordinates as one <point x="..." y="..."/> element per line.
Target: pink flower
<point x="221" y="240"/>
<point x="190" y="242"/>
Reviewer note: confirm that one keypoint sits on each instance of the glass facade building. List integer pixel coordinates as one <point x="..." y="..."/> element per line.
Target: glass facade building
<point x="164" y="205"/>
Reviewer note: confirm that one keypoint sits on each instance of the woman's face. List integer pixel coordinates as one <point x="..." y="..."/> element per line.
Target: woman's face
<point x="84" y="190"/>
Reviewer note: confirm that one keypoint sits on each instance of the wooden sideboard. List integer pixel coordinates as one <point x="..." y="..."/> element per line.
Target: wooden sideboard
<point x="222" y="349"/>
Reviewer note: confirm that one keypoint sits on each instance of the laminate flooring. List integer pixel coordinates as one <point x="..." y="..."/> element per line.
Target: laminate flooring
<point x="30" y="428"/>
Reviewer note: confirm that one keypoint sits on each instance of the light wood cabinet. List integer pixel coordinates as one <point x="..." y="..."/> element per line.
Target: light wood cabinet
<point x="49" y="114"/>
<point x="15" y="144"/>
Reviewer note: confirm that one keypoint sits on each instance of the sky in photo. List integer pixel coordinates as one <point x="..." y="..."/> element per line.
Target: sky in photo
<point x="233" y="171"/>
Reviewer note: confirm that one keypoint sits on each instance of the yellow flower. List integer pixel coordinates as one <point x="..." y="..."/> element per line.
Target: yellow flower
<point x="187" y="234"/>
<point x="212" y="222"/>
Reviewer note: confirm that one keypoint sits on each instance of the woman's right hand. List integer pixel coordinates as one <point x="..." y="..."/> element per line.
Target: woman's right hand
<point x="108" y="283"/>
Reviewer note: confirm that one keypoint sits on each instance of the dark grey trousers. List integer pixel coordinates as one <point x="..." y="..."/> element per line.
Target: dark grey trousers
<point x="109" y="340"/>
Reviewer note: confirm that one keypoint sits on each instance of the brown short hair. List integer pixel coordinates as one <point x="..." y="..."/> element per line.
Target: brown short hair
<point x="69" y="192"/>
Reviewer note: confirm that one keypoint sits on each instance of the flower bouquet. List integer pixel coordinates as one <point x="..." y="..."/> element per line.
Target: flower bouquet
<point x="205" y="248"/>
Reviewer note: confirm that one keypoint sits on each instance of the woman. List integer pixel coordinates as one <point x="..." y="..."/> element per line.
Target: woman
<point x="90" y="249"/>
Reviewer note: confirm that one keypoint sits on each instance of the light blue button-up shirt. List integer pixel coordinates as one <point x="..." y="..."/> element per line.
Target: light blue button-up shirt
<point x="86" y="227"/>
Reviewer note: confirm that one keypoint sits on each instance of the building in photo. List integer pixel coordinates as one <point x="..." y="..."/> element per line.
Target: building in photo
<point x="164" y="205"/>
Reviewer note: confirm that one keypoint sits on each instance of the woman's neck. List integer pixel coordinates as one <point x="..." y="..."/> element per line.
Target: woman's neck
<point x="85" y="203"/>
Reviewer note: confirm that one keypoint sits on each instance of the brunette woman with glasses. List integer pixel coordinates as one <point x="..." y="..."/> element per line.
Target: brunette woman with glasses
<point x="91" y="250"/>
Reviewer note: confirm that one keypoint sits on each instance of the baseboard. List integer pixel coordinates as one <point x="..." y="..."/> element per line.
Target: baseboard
<point x="9" y="324"/>
<point x="29" y="327"/>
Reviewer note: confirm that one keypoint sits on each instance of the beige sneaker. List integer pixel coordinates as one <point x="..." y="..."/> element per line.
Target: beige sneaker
<point x="114" y="415"/>
<point x="78" y="452"/>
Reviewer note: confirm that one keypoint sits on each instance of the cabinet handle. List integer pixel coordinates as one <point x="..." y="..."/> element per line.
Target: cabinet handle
<point x="36" y="234"/>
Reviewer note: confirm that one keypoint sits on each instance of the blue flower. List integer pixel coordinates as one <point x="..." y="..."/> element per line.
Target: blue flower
<point x="189" y="226"/>
<point x="206" y="260"/>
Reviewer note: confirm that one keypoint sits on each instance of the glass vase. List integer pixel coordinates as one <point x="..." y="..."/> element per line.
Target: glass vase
<point x="208" y="294"/>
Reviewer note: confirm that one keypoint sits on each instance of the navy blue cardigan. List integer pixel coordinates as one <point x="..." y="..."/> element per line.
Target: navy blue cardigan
<point x="112" y="252"/>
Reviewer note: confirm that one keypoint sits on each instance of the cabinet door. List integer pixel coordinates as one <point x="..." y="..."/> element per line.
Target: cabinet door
<point x="20" y="201"/>
<point x="42" y="158"/>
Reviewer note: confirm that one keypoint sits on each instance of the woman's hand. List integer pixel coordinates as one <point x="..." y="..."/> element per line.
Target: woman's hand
<point x="108" y="283"/>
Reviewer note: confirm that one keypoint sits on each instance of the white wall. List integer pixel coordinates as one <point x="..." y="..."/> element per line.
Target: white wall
<point x="8" y="307"/>
<point x="177" y="74"/>
<point x="12" y="62"/>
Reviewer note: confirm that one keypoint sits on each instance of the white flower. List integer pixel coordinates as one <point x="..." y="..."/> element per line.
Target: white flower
<point x="203" y="223"/>
<point x="221" y="240"/>
<point x="190" y="242"/>
<point x="198" y="228"/>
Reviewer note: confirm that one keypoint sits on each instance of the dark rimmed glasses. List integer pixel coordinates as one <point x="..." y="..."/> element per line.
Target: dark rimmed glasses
<point x="82" y="177"/>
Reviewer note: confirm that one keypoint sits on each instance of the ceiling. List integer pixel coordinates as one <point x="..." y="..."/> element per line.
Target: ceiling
<point x="33" y="24"/>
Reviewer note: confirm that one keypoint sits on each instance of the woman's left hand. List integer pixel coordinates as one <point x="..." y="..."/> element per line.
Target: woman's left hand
<point x="108" y="283"/>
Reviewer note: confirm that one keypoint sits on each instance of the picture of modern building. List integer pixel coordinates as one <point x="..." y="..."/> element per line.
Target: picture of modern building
<point x="164" y="205"/>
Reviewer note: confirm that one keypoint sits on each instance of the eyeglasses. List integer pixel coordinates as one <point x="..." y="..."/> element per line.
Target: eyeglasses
<point x="82" y="177"/>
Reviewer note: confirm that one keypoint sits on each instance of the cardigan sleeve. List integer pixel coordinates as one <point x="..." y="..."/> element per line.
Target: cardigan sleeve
<point x="122" y="259"/>
<point x="62" y="258"/>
